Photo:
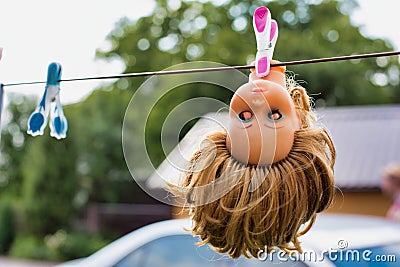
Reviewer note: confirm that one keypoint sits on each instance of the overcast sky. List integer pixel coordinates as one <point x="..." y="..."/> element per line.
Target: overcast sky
<point x="35" y="33"/>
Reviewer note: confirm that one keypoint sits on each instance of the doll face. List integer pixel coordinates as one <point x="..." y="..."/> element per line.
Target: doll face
<point x="262" y="123"/>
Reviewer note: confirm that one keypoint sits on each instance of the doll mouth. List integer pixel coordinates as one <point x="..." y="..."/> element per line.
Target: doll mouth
<point x="274" y="128"/>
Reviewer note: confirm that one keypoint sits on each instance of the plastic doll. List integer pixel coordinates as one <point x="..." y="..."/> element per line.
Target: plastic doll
<point x="273" y="165"/>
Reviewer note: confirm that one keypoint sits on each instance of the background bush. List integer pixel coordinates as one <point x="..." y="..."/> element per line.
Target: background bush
<point x="60" y="246"/>
<point x="7" y="227"/>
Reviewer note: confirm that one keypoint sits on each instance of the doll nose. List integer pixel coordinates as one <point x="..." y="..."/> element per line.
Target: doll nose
<point x="259" y="102"/>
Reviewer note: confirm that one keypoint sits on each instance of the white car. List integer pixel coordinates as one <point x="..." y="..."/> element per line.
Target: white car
<point x="334" y="240"/>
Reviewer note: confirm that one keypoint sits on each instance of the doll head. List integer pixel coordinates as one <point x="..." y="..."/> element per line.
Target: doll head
<point x="295" y="184"/>
<point x="274" y="165"/>
<point x="262" y="120"/>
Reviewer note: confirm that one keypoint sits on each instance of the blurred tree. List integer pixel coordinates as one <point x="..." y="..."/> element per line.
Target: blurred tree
<point x="13" y="144"/>
<point x="7" y="226"/>
<point x="37" y="175"/>
<point x="49" y="184"/>
<point x="95" y="128"/>
<point x="180" y="31"/>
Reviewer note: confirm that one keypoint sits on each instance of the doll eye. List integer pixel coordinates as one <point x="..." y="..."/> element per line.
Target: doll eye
<point x="245" y="116"/>
<point x="275" y="115"/>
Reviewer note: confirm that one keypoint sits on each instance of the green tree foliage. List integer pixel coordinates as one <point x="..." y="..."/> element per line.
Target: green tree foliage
<point x="7" y="226"/>
<point x="37" y="174"/>
<point x="13" y="145"/>
<point x="49" y="184"/>
<point x="191" y="30"/>
<point x="95" y="128"/>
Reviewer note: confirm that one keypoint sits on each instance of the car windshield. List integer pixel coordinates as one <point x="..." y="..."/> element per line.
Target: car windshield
<point x="388" y="255"/>
<point x="181" y="251"/>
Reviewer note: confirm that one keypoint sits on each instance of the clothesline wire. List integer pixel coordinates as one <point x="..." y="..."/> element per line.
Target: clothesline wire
<point x="172" y="72"/>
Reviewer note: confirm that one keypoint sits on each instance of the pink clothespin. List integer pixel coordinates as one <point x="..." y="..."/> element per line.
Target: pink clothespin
<point x="266" y="30"/>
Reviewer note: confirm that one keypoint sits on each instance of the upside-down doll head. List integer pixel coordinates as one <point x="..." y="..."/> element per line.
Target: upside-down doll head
<point x="274" y="166"/>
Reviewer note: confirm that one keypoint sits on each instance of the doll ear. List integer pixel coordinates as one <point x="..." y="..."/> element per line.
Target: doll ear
<point x="302" y="104"/>
<point x="300" y="98"/>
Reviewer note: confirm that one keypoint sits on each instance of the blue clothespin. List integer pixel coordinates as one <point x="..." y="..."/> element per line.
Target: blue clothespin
<point x="50" y="103"/>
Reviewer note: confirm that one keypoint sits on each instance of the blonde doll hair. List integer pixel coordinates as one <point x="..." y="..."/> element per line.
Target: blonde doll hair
<point x="292" y="191"/>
